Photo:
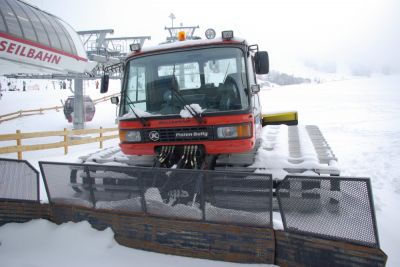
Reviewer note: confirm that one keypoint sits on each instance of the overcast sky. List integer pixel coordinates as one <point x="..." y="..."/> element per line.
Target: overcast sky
<point x="361" y="32"/>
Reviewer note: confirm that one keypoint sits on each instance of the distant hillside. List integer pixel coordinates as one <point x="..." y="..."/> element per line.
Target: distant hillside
<point x="280" y="78"/>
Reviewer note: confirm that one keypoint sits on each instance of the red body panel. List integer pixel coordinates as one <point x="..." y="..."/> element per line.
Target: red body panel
<point x="212" y="147"/>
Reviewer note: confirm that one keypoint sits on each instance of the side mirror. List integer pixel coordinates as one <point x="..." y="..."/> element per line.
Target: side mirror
<point x="255" y="88"/>
<point x="115" y="100"/>
<point x="261" y="61"/>
<point x="104" y="83"/>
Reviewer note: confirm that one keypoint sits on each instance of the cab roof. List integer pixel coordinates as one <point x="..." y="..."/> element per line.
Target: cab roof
<point x="186" y="44"/>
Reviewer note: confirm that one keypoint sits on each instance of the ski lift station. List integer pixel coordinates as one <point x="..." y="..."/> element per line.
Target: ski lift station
<point x="34" y="41"/>
<point x="37" y="45"/>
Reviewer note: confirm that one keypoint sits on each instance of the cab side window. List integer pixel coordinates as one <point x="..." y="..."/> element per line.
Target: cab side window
<point x="252" y="75"/>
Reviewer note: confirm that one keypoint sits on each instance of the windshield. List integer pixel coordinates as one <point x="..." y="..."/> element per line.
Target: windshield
<point x="212" y="79"/>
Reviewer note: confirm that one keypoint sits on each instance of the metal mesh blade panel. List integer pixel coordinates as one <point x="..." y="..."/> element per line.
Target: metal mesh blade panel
<point x="113" y="188"/>
<point x="173" y="193"/>
<point x="60" y="187"/>
<point x="18" y="180"/>
<point x="244" y="199"/>
<point x="330" y="207"/>
<point x="234" y="198"/>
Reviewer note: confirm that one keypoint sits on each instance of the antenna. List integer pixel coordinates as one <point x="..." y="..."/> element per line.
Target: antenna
<point x="172" y="17"/>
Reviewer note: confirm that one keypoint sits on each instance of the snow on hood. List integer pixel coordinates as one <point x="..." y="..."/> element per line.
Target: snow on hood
<point x="185" y="112"/>
<point x="131" y="115"/>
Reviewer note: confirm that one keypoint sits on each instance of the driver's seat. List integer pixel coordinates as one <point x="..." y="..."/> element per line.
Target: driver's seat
<point x="158" y="92"/>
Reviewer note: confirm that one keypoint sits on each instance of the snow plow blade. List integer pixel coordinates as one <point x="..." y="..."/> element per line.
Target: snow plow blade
<point x="288" y="118"/>
<point x="324" y="219"/>
<point x="197" y="189"/>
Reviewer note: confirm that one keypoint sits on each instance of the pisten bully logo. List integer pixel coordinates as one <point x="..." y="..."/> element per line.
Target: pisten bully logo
<point x="154" y="136"/>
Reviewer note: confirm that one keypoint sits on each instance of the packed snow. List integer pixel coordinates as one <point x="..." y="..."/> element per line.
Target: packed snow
<point x="359" y="118"/>
<point x="275" y="155"/>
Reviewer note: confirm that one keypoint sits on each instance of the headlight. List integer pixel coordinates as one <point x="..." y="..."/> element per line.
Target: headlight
<point x="130" y="136"/>
<point x="234" y="131"/>
<point x="227" y="132"/>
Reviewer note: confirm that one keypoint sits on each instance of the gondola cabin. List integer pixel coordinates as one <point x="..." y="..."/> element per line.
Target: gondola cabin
<point x="89" y="109"/>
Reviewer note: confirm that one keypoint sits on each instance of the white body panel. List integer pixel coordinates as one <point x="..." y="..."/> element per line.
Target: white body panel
<point x="22" y="56"/>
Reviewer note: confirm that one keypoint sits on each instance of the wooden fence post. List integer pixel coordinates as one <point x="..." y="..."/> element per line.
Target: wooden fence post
<point x="65" y="141"/>
<point x="101" y="137"/>
<point x="19" y="153"/>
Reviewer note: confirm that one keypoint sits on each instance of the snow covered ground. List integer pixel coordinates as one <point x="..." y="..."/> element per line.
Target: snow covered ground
<point x="40" y="243"/>
<point x="360" y="118"/>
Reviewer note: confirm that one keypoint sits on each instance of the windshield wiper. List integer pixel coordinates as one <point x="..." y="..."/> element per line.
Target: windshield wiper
<point x="142" y="120"/>
<point x="182" y="100"/>
<point x="226" y="72"/>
